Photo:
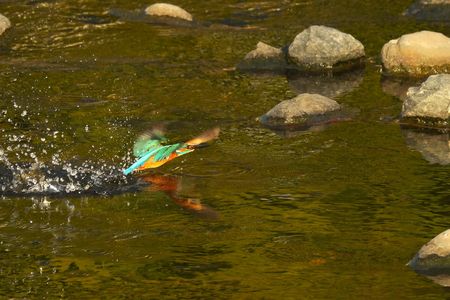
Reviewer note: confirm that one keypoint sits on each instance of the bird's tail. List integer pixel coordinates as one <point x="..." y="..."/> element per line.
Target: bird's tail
<point x="203" y="138"/>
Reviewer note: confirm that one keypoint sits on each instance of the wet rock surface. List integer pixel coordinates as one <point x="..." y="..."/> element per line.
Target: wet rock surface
<point x="303" y="111"/>
<point x="433" y="259"/>
<point x="430" y="10"/>
<point x="322" y="48"/>
<point x="428" y="105"/>
<point x="263" y="58"/>
<point x="4" y="23"/>
<point x="168" y="10"/>
<point x="417" y="54"/>
<point x="434" y="146"/>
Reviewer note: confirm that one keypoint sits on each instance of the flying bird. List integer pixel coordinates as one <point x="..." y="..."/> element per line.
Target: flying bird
<point x="151" y="153"/>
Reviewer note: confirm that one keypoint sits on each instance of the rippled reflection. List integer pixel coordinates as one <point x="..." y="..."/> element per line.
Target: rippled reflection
<point x="433" y="145"/>
<point x="331" y="86"/>
<point x="172" y="187"/>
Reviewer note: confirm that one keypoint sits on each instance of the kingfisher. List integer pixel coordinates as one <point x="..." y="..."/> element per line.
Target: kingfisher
<point x="150" y="151"/>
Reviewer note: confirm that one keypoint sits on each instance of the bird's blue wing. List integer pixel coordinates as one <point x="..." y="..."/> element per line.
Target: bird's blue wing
<point x="140" y="161"/>
<point x="157" y="154"/>
<point x="165" y="151"/>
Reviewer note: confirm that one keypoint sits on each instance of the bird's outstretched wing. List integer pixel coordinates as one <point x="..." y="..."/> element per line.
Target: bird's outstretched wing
<point x="148" y="141"/>
<point x="158" y="156"/>
<point x="205" y="137"/>
<point x="152" y="154"/>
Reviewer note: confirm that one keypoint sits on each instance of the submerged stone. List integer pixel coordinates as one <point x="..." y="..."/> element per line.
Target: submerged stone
<point x="305" y="110"/>
<point x="430" y="10"/>
<point x="433" y="145"/>
<point x="417" y="54"/>
<point x="263" y="58"/>
<point x="168" y="10"/>
<point x="4" y="23"/>
<point x="321" y="48"/>
<point x="433" y="259"/>
<point x="428" y="105"/>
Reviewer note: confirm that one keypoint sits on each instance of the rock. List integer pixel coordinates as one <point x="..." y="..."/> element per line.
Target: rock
<point x="4" y="23"/>
<point x="321" y="48"/>
<point x="417" y="54"/>
<point x="303" y="111"/>
<point x="428" y="105"/>
<point x="168" y="10"/>
<point x="434" y="146"/>
<point x="142" y="16"/>
<point x="263" y="58"/>
<point x="434" y="257"/>
<point x="331" y="86"/>
<point x="430" y="10"/>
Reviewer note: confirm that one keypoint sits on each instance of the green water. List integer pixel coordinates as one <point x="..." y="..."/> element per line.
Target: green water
<point x="334" y="213"/>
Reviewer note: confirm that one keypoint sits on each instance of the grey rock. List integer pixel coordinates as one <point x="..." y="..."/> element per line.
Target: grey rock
<point x="429" y="104"/>
<point x="430" y="10"/>
<point x="434" y="257"/>
<point x="434" y="146"/>
<point x="263" y="58"/>
<point x="4" y="23"/>
<point x="305" y="110"/>
<point x="168" y="10"/>
<point x="417" y="54"/>
<point x="321" y="48"/>
<point x="332" y="86"/>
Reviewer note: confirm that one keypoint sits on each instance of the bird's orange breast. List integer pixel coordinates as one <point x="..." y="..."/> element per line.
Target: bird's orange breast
<point x="151" y="163"/>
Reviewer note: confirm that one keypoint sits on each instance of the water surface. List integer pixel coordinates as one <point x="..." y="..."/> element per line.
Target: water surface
<point x="332" y="213"/>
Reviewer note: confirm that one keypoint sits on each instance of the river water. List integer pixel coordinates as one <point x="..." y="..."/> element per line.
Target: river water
<point x="334" y="212"/>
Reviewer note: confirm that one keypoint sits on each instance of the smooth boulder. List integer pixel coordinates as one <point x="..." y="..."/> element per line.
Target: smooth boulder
<point x="428" y="105"/>
<point x="4" y="23"/>
<point x="433" y="259"/>
<point x="168" y="10"/>
<point x="321" y="48"/>
<point x="305" y="110"/>
<point x="417" y="54"/>
<point x="263" y="58"/>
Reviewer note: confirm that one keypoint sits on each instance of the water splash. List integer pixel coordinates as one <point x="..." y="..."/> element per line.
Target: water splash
<point x="59" y="177"/>
<point x="33" y="159"/>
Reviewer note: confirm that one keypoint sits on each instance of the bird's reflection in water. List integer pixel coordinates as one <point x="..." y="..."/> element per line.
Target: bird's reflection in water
<point x="171" y="186"/>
